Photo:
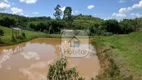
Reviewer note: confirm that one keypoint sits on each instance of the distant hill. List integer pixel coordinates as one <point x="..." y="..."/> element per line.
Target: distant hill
<point x="79" y="21"/>
<point x="87" y="19"/>
<point x="79" y="17"/>
<point x="24" y="17"/>
<point x="11" y="19"/>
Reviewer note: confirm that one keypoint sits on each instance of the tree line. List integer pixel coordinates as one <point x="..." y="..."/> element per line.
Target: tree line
<point x="65" y="20"/>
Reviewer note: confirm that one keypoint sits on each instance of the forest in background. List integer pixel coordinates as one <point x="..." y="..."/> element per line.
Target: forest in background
<point x="65" y="20"/>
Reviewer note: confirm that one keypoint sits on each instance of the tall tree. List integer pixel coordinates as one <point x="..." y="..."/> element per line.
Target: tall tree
<point x="58" y="12"/>
<point x="68" y="15"/>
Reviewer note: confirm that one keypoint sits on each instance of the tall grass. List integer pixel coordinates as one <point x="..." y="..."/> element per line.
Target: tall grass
<point x="125" y="51"/>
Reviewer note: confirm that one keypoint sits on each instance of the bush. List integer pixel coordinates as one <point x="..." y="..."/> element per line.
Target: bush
<point x="58" y="71"/>
<point x="111" y="26"/>
<point x="23" y="35"/>
<point x="1" y="32"/>
<point x="13" y="39"/>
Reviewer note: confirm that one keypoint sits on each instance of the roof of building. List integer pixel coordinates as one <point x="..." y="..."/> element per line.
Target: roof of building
<point x="16" y="28"/>
<point x="74" y="32"/>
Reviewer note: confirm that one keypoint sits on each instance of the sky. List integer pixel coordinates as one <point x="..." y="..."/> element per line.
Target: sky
<point x="105" y="9"/>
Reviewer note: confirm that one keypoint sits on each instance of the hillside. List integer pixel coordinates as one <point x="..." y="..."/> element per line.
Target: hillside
<point x="7" y="38"/>
<point x="125" y="51"/>
<point x="87" y="19"/>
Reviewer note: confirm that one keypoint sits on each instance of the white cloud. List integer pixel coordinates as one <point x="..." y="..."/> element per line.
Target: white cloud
<point x="29" y="1"/>
<point x="31" y="55"/>
<point x="134" y="15"/>
<point x="95" y="14"/>
<point x="17" y="11"/>
<point x="4" y="58"/>
<point x="135" y="6"/>
<point x="122" y="15"/>
<point x="4" y="6"/>
<point x="26" y="15"/>
<point x="76" y="11"/>
<point x="36" y="13"/>
<point x="139" y="5"/>
<point x="32" y="72"/>
<point x="72" y="13"/>
<point x="123" y="11"/>
<point x="107" y="18"/>
<point x="63" y="8"/>
<point x="90" y="6"/>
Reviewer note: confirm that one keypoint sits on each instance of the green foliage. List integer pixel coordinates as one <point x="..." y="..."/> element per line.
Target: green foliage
<point x="42" y="18"/>
<point x="13" y="39"/>
<point x="48" y="25"/>
<point x="7" y="39"/>
<point x="52" y="26"/>
<point x="87" y="17"/>
<point x="125" y="51"/>
<point x="127" y="26"/>
<point x="138" y="24"/>
<point x="23" y="35"/>
<point x="96" y="25"/>
<point x="68" y="16"/>
<point x="1" y="32"/>
<point x="111" y="26"/>
<point x="67" y="13"/>
<point x="98" y="29"/>
<point x="7" y="21"/>
<point x="58" y="71"/>
<point x="95" y="29"/>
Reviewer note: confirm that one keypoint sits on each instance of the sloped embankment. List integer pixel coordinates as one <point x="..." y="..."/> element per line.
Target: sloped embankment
<point x="119" y="56"/>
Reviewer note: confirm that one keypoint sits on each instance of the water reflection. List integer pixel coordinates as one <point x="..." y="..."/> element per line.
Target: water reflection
<point x="34" y="72"/>
<point x="9" y="51"/>
<point x="30" y="60"/>
<point x="31" y="55"/>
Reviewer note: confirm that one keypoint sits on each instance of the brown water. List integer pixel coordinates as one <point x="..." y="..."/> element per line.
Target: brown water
<point x="30" y="60"/>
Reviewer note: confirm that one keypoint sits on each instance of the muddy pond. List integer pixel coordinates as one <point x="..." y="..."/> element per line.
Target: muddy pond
<point x="30" y="60"/>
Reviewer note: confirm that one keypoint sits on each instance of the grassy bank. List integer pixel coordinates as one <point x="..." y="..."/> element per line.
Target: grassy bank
<point x="7" y="38"/>
<point x="120" y="56"/>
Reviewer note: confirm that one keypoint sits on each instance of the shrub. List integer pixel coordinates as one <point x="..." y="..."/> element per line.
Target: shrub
<point x="23" y="35"/>
<point x="58" y="71"/>
<point x="1" y="32"/>
<point x="13" y="39"/>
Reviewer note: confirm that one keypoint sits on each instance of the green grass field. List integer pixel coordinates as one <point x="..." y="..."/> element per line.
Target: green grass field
<point x="6" y="39"/>
<point x="126" y="51"/>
